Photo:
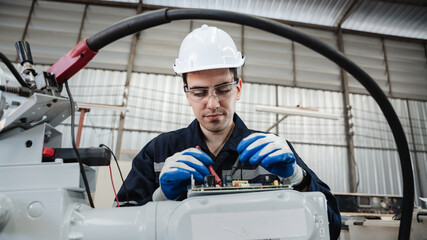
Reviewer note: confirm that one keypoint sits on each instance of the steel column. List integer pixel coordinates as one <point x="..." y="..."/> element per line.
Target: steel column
<point x="390" y="93"/>
<point x="352" y="167"/>
<point x="82" y="23"/>
<point x="294" y="65"/>
<point x="82" y="111"/>
<point x="129" y="70"/>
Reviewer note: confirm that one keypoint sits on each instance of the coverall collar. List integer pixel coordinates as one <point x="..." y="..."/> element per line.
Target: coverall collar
<point x="239" y="132"/>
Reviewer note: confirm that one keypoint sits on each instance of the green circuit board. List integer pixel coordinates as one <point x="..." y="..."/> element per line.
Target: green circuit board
<point x="260" y="187"/>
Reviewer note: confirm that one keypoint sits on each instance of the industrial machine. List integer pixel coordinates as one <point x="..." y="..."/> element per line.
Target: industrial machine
<point x="42" y="193"/>
<point x="41" y="185"/>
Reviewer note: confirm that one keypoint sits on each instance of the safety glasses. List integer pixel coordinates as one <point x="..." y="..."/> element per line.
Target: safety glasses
<point x="202" y="95"/>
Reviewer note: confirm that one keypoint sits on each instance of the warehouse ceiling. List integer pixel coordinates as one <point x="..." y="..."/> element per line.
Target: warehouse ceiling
<point x="396" y="62"/>
<point x="401" y="18"/>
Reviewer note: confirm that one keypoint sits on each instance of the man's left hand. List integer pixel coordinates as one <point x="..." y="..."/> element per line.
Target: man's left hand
<point x="270" y="151"/>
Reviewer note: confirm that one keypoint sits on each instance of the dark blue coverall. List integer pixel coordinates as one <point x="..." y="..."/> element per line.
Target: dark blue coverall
<point x="143" y="179"/>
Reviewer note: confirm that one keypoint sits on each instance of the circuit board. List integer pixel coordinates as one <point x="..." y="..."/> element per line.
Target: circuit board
<point x="202" y="191"/>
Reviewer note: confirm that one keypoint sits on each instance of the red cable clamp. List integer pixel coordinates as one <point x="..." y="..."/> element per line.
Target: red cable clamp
<point x="69" y="64"/>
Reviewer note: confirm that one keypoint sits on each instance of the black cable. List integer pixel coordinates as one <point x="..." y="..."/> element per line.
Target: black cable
<point x="73" y="141"/>
<point x="151" y="19"/>
<point x="234" y="167"/>
<point x="118" y="167"/>
<point x="127" y="27"/>
<point x="241" y="170"/>
<point x="20" y="91"/>
<point x="15" y="73"/>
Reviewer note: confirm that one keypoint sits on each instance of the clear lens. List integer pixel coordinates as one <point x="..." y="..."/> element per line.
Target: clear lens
<point x="202" y="95"/>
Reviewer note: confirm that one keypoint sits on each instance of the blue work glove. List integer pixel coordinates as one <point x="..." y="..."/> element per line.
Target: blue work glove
<point x="270" y="151"/>
<point x="176" y="173"/>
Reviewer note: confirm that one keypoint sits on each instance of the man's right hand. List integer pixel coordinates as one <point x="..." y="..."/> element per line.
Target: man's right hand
<point x="176" y="173"/>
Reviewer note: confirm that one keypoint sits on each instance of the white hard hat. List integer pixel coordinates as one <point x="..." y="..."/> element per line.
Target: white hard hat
<point x="207" y="48"/>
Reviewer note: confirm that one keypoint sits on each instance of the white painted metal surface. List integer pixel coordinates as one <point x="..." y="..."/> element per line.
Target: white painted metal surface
<point x="62" y="214"/>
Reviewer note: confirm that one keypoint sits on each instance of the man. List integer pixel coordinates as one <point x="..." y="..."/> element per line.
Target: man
<point x="208" y="61"/>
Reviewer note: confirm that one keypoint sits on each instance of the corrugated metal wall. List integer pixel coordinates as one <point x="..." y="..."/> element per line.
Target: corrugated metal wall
<point x="407" y="67"/>
<point x="13" y="17"/>
<point x="320" y="142"/>
<point x="274" y="58"/>
<point x="375" y="149"/>
<point x="314" y="70"/>
<point x="114" y="56"/>
<point x="156" y="103"/>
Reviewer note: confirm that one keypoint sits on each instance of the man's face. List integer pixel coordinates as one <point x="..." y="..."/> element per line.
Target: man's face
<point x="216" y="113"/>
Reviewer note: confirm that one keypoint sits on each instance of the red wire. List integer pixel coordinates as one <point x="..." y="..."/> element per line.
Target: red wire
<point x="212" y="171"/>
<point x="112" y="182"/>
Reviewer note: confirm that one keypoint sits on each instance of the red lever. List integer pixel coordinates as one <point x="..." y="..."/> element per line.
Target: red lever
<point x="48" y="152"/>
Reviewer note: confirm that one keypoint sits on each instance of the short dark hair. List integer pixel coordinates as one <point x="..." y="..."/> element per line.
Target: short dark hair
<point x="233" y="72"/>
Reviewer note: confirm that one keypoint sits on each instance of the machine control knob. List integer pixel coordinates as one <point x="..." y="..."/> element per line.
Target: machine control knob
<point x="24" y="52"/>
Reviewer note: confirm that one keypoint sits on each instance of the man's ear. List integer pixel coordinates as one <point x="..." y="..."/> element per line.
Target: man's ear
<point x="239" y="89"/>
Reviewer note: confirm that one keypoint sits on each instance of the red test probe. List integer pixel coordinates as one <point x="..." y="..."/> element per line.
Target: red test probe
<point x="213" y="173"/>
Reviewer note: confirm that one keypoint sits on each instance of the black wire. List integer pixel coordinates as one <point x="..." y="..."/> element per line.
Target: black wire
<point x="73" y="141"/>
<point x="241" y="170"/>
<point x="118" y="167"/>
<point x="15" y="73"/>
<point x="234" y="167"/>
<point x="20" y="91"/>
